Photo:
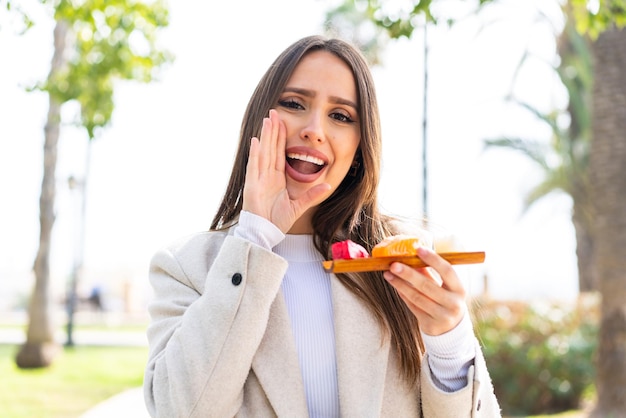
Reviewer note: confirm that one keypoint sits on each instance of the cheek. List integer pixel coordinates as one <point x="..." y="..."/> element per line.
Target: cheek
<point x="352" y="146"/>
<point x="287" y="120"/>
<point x="346" y="153"/>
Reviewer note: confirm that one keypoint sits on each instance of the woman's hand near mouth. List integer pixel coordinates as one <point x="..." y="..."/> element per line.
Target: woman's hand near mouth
<point x="265" y="191"/>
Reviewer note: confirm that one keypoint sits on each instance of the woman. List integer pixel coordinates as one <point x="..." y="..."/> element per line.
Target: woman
<point x="245" y="321"/>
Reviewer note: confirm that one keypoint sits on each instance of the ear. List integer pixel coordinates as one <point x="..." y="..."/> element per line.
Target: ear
<point x="354" y="168"/>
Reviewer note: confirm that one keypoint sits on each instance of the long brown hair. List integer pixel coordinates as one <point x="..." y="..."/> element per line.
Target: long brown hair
<point x="351" y="212"/>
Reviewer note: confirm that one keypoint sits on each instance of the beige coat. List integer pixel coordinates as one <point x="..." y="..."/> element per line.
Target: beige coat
<point x="221" y="344"/>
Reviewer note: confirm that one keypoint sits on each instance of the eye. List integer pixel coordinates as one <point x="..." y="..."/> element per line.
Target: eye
<point x="290" y="104"/>
<point x="341" y="117"/>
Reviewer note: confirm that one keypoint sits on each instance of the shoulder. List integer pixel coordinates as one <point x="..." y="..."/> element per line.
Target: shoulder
<point x="204" y="242"/>
<point x="189" y="257"/>
<point x="193" y="259"/>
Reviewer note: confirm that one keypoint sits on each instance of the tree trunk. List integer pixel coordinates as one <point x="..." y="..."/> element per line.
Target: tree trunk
<point x="572" y="48"/>
<point x="40" y="347"/>
<point x="608" y="180"/>
<point x="587" y="277"/>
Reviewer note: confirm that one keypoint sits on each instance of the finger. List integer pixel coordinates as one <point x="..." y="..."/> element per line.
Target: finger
<point x="253" y="159"/>
<point x="264" y="158"/>
<point x="281" y="144"/>
<point x="312" y="197"/>
<point x="415" y="300"/>
<point x="272" y="144"/>
<point x="445" y="270"/>
<point x="435" y="317"/>
<point x="417" y="282"/>
<point x="420" y="283"/>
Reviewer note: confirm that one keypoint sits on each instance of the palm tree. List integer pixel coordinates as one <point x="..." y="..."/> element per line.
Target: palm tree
<point x="564" y="161"/>
<point x="608" y="180"/>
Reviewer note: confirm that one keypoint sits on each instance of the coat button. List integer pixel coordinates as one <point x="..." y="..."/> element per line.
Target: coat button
<point x="236" y="279"/>
<point x="478" y="406"/>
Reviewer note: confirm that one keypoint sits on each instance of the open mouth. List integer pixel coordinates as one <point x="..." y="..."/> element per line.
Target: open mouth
<point x="305" y="164"/>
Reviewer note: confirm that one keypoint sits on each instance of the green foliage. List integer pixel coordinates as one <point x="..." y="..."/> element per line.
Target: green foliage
<point x="398" y="23"/>
<point x="370" y="24"/>
<point x="540" y="357"/>
<point x="17" y="10"/>
<point x="564" y="160"/>
<point x="110" y="40"/>
<point x="401" y="19"/>
<point x="353" y="20"/>
<point x="593" y="17"/>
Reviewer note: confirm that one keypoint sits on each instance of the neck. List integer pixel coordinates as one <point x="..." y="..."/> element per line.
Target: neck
<point x="303" y="225"/>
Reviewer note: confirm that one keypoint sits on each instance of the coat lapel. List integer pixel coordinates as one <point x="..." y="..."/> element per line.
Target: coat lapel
<point x="362" y="354"/>
<point x="276" y="364"/>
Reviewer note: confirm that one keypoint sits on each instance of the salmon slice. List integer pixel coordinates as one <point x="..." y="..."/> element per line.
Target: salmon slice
<point x="396" y="245"/>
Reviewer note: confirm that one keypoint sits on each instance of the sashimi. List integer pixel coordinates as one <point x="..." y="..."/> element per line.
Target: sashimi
<point x="348" y="250"/>
<point x="396" y="245"/>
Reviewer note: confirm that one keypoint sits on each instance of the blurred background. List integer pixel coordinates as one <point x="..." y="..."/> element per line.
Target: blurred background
<point x="156" y="172"/>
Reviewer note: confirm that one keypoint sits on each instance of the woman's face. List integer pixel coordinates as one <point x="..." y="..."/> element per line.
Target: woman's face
<point x="319" y="109"/>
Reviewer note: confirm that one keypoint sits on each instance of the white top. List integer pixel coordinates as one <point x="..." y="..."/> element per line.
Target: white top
<point x="306" y="289"/>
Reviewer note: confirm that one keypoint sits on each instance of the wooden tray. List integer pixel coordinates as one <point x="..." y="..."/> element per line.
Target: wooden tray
<point x="383" y="263"/>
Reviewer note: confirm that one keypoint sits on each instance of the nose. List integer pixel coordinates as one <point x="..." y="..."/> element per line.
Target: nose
<point x="313" y="130"/>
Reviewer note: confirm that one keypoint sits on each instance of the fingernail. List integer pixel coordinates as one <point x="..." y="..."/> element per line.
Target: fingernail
<point x="396" y="268"/>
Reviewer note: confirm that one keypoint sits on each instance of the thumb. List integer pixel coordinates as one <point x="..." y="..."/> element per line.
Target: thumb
<point x="313" y="196"/>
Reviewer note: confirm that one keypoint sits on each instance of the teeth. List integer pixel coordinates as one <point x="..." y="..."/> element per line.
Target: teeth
<point x="307" y="158"/>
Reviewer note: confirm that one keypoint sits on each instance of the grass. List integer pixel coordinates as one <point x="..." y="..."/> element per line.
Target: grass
<point x="79" y="378"/>
<point x="84" y="376"/>
<point x="62" y="329"/>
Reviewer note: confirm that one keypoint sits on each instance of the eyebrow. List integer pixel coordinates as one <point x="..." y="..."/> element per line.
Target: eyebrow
<point x="334" y="99"/>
